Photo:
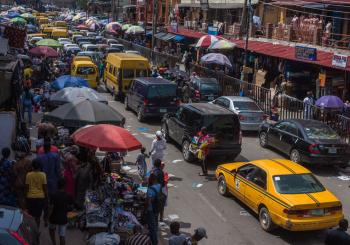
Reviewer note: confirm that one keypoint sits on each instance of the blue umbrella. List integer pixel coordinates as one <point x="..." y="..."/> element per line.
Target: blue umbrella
<point x="330" y="101"/>
<point x="13" y="14"/>
<point x="69" y="81"/>
<point x="216" y="58"/>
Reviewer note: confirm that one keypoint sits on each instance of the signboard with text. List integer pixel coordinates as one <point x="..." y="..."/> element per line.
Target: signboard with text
<point x="212" y="30"/>
<point x="305" y="53"/>
<point x="340" y="60"/>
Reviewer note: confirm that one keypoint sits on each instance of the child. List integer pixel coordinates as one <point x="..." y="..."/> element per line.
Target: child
<point x="141" y="163"/>
<point x="36" y="191"/>
<point x="59" y="205"/>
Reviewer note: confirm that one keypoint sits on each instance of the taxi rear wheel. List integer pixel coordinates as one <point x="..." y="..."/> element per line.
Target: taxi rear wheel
<point x="265" y="220"/>
<point x="222" y="187"/>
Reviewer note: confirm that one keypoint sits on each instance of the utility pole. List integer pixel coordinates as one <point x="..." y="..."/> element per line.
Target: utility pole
<point x="243" y="19"/>
<point x="154" y="22"/>
<point x="247" y="30"/>
<point x="113" y="9"/>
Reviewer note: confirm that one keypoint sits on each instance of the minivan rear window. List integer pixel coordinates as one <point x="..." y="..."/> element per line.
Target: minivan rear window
<point x="210" y="88"/>
<point x="161" y="91"/>
<point x="223" y="126"/>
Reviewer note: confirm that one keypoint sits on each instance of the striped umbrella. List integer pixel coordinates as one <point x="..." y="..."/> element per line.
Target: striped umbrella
<point x="113" y="26"/>
<point x="206" y="41"/>
<point x="222" y="45"/>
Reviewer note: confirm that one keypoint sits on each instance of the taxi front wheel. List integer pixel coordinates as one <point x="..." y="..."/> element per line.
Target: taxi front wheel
<point x="265" y="220"/>
<point x="222" y="187"/>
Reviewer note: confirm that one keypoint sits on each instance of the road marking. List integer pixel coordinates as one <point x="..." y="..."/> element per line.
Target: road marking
<point x="211" y="206"/>
<point x="244" y="213"/>
<point x="151" y="136"/>
<point x="177" y="160"/>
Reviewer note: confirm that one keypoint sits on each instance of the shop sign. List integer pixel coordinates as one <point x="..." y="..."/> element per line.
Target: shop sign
<point x="305" y="53"/>
<point x="322" y="79"/>
<point x="339" y="60"/>
<point x="213" y="30"/>
<point x="204" y="4"/>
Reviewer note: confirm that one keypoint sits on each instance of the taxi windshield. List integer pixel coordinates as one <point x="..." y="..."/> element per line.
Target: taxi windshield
<point x="297" y="184"/>
<point x="85" y="70"/>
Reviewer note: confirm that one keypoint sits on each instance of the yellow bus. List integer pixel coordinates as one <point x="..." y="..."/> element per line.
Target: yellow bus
<point x="43" y="20"/>
<point x="121" y="69"/>
<point x="85" y="69"/>
<point x="60" y="24"/>
<point x="57" y="33"/>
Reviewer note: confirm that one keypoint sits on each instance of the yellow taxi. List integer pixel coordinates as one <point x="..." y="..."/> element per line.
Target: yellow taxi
<point x="282" y="193"/>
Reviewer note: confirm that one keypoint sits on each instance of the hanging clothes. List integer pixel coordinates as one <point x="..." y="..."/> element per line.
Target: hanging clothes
<point x="15" y="36"/>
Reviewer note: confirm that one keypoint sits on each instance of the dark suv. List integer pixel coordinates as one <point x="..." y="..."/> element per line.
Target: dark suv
<point x="205" y="89"/>
<point x="221" y="123"/>
<point x="151" y="97"/>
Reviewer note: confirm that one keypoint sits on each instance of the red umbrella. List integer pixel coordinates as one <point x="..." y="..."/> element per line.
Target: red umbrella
<point x="106" y="137"/>
<point x="43" y="51"/>
<point x="82" y="27"/>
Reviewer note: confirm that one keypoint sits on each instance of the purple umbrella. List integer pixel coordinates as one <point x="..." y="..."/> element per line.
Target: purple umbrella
<point x="330" y="101"/>
<point x="216" y="58"/>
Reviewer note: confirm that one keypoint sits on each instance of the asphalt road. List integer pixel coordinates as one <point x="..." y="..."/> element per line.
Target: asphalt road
<point x="194" y="200"/>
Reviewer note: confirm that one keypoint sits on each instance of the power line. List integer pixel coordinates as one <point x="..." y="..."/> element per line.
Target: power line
<point x="320" y="9"/>
<point x="304" y="12"/>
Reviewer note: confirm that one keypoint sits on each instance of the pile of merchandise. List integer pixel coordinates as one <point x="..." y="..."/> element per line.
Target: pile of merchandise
<point x="117" y="205"/>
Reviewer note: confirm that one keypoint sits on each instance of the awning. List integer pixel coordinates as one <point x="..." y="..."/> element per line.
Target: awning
<point x="179" y="38"/>
<point x="168" y="37"/>
<point x="159" y="35"/>
<point x="287" y="52"/>
<point x="185" y="32"/>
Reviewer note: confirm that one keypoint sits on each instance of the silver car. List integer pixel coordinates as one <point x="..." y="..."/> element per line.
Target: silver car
<point x="250" y="114"/>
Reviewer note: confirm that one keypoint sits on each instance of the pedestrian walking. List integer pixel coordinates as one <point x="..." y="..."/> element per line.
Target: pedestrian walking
<point x="158" y="147"/>
<point x="60" y="204"/>
<point x="186" y="93"/>
<point x="27" y="99"/>
<point x="203" y="141"/>
<point x="36" y="191"/>
<point x="141" y="163"/>
<point x="152" y="212"/>
<point x="338" y="236"/>
<point x="159" y="173"/>
<point x="22" y="167"/>
<point x="7" y="178"/>
<point x="176" y="237"/>
<point x="138" y="238"/>
<point x="309" y="101"/>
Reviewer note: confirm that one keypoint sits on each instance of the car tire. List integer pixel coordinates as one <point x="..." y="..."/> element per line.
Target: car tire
<point x="187" y="155"/>
<point x="222" y="187"/>
<point x="140" y="116"/>
<point x="126" y="105"/>
<point x="294" y="156"/>
<point x="265" y="220"/>
<point x="263" y="139"/>
<point x="164" y="130"/>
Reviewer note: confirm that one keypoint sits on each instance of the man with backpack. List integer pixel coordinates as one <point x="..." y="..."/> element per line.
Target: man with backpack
<point x="154" y="202"/>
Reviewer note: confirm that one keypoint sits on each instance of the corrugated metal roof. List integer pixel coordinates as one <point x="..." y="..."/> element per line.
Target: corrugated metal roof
<point x="287" y="52"/>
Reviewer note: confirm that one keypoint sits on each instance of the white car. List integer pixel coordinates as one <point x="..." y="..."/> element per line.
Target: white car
<point x="250" y="114"/>
<point x="67" y="45"/>
<point x="90" y="47"/>
<point x="64" y="39"/>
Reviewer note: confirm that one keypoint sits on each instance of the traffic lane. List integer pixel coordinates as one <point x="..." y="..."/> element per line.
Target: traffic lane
<point x="224" y="218"/>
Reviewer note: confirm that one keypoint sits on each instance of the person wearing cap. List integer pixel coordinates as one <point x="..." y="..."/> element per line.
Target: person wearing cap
<point x="198" y="235"/>
<point x="158" y="147"/>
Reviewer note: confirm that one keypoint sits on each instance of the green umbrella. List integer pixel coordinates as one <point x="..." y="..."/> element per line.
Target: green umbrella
<point x="18" y="20"/>
<point x="27" y="16"/>
<point x="49" y="42"/>
<point x="126" y="26"/>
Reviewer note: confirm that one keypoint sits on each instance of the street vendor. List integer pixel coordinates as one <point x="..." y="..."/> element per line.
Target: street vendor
<point x="203" y="140"/>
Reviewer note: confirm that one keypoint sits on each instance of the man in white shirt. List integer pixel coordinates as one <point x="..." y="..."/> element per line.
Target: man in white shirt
<point x="158" y="147"/>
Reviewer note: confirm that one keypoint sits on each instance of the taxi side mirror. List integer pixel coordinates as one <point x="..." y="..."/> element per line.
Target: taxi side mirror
<point x="234" y="171"/>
